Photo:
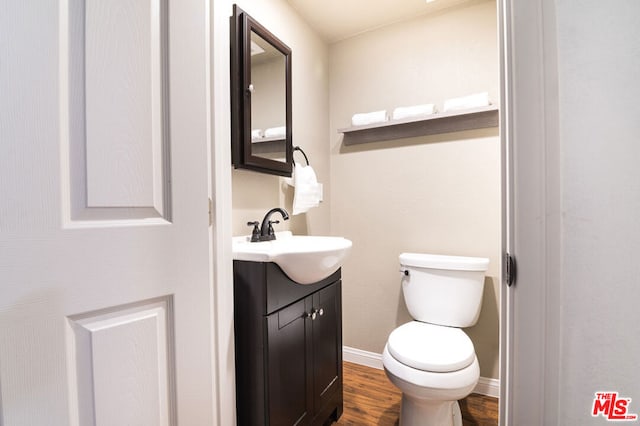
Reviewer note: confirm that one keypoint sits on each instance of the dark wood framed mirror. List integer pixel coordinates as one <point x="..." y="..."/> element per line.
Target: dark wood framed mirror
<point x="261" y="137"/>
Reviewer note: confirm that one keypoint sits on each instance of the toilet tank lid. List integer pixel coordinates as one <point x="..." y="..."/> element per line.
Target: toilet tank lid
<point x="438" y="261"/>
<point x="430" y="347"/>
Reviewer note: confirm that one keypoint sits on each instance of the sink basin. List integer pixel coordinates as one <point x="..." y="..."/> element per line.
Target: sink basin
<point x="305" y="259"/>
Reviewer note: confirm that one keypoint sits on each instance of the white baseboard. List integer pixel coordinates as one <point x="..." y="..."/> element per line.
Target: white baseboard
<point x="488" y="387"/>
<point x="358" y="356"/>
<point x="485" y="386"/>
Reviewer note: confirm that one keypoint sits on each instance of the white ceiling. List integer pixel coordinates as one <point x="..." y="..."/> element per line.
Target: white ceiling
<point x="336" y="20"/>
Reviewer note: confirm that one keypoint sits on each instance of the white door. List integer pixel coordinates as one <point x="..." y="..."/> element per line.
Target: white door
<point x="105" y="292"/>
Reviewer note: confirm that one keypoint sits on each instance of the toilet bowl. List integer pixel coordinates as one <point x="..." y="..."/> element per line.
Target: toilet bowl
<point x="431" y="360"/>
<point x="433" y="372"/>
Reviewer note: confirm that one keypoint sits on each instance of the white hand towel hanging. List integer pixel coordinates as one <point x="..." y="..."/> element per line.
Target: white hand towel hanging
<point x="307" y="191"/>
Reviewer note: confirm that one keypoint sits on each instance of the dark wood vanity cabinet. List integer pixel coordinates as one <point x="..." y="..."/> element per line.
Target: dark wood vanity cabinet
<point x="288" y="343"/>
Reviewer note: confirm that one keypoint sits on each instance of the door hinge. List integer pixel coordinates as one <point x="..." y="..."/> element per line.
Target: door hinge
<point x="509" y="268"/>
<point x="210" y="212"/>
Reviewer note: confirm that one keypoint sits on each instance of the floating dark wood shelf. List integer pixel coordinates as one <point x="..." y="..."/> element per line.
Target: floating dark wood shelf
<point x="446" y="122"/>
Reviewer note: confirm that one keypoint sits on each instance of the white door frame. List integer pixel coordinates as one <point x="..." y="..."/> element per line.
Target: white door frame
<point x="222" y="273"/>
<point x="531" y="213"/>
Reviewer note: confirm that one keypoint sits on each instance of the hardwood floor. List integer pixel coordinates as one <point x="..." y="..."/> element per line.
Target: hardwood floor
<point x="370" y="399"/>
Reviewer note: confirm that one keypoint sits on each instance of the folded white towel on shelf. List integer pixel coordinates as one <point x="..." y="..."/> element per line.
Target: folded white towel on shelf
<point x="413" y="111"/>
<point x="466" y="102"/>
<point x="307" y="191"/>
<point x="364" y="118"/>
<point x="257" y="134"/>
<point x="274" y="132"/>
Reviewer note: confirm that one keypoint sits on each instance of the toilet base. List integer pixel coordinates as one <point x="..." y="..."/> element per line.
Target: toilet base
<point x="422" y="412"/>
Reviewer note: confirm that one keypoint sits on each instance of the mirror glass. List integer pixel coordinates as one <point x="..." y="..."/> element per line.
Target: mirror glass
<point x="260" y="98"/>
<point x="268" y="100"/>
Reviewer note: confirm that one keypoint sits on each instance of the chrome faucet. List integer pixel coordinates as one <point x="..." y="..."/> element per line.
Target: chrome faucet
<point x="265" y="232"/>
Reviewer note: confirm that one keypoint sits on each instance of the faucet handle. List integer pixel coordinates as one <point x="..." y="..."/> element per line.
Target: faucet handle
<point x="271" y="232"/>
<point x="255" y="233"/>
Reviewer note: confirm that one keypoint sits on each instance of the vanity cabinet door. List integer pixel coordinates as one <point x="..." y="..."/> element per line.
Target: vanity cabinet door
<point x="327" y="346"/>
<point x="289" y="356"/>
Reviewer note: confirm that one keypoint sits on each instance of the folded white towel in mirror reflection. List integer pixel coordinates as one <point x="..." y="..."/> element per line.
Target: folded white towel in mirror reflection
<point x="413" y="111"/>
<point x="466" y="102"/>
<point x="274" y="132"/>
<point x="364" y="118"/>
<point x="257" y="134"/>
<point x="307" y="191"/>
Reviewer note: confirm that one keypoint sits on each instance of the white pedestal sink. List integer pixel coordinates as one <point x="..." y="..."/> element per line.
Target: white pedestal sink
<point x="305" y="259"/>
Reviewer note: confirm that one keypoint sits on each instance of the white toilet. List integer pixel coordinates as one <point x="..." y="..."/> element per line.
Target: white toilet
<point x="431" y="360"/>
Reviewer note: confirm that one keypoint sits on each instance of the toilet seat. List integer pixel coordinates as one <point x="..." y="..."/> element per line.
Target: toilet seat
<point x="444" y="385"/>
<point x="431" y="348"/>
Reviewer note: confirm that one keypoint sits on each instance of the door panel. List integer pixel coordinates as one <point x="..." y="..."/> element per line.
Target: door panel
<point x="105" y="292"/>
<point x="115" y="104"/>
<point x="120" y="362"/>
<point x="123" y="95"/>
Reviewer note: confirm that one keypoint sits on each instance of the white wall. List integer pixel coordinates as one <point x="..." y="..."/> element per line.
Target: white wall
<point x="599" y="108"/>
<point x="434" y="194"/>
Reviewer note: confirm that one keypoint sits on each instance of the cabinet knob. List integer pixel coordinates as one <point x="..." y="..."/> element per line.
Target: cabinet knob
<point x="317" y="312"/>
<point x="313" y="314"/>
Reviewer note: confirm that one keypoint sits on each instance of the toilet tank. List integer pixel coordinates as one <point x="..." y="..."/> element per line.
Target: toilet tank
<point x="443" y="290"/>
